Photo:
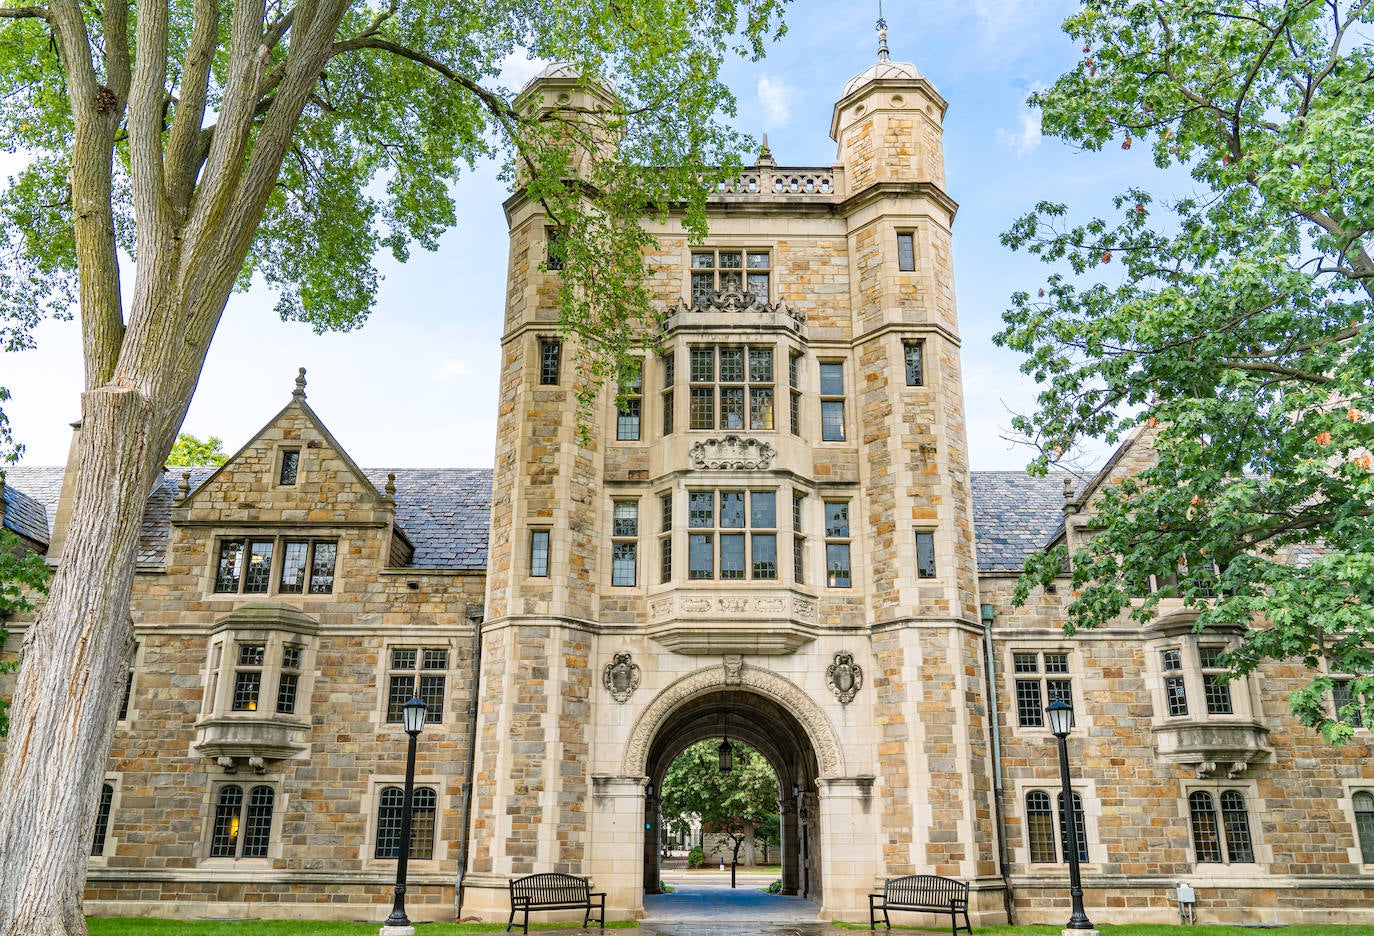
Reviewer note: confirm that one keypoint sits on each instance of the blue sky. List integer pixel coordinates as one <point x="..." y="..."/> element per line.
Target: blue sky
<point x="416" y="387"/>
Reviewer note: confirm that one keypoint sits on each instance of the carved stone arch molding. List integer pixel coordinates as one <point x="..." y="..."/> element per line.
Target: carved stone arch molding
<point x="813" y="720"/>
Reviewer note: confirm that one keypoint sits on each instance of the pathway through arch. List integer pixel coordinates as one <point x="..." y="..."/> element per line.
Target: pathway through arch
<point x="706" y="898"/>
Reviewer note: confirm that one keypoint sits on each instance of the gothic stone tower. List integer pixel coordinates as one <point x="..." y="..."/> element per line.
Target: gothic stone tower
<point x="773" y="542"/>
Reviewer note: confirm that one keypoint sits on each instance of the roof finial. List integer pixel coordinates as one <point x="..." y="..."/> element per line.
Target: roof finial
<point x="391" y="485"/>
<point x="765" y="157"/>
<point x="882" y="34"/>
<point x="299" y="392"/>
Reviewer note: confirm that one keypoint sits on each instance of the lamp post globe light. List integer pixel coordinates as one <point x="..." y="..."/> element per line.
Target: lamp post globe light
<point x="413" y="720"/>
<point x="1060" y="715"/>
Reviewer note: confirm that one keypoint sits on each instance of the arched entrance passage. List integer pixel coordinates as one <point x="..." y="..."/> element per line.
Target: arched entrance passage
<point x="771" y="714"/>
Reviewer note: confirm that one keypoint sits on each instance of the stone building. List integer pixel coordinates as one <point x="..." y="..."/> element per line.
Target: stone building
<point x="776" y="538"/>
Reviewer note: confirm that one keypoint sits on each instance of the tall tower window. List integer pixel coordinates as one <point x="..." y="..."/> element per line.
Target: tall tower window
<point x="914" y="353"/>
<point x="554" y="257"/>
<point x="925" y="555"/>
<point x="724" y="270"/>
<point x="550" y="353"/>
<point x="669" y="375"/>
<point x="832" y="401"/>
<point x="794" y="386"/>
<point x="837" y="571"/>
<point x="798" y="539"/>
<point x="624" y="542"/>
<point x="539" y="553"/>
<point x="665" y="539"/>
<point x="627" y="415"/>
<point x="906" y="251"/>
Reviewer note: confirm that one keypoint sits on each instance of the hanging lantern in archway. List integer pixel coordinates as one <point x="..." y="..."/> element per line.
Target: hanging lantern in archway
<point x="727" y="756"/>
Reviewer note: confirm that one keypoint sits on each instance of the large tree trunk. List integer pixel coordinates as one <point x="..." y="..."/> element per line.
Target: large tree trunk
<point x="74" y="666"/>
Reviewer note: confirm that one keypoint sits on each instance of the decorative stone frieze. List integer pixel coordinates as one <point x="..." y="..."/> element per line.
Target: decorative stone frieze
<point x="733" y="452"/>
<point x="621" y="677"/>
<point x="714" y="622"/>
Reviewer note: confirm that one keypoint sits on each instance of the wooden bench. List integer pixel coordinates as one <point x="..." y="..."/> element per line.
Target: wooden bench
<point x="925" y="892"/>
<point x="552" y="891"/>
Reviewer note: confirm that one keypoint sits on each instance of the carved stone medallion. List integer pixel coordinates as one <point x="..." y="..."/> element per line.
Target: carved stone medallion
<point x="732" y="451"/>
<point x="621" y="677"/>
<point x="844" y="677"/>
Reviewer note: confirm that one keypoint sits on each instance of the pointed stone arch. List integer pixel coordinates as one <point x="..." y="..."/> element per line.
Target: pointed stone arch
<point x="817" y="724"/>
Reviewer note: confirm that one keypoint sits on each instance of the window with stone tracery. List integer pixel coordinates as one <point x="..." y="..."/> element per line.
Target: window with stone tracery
<point x="732" y="535"/>
<point x="731" y="387"/>
<point x="723" y="270"/>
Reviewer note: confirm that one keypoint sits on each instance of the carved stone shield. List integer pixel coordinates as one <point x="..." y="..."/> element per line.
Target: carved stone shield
<point x="621" y="677"/>
<point x="844" y="677"/>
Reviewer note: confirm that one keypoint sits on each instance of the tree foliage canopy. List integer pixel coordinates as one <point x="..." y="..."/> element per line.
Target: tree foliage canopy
<point x="1231" y="327"/>
<point x="188" y="451"/>
<point x="218" y="142"/>
<point x="731" y="803"/>
<point x="23" y="576"/>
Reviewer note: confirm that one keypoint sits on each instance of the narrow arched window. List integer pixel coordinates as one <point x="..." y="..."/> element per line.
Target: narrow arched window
<point x="1040" y="827"/>
<point x="1080" y="828"/>
<point x="1364" y="825"/>
<point x="102" y="820"/>
<point x="1235" y="822"/>
<point x="257" y="833"/>
<point x="424" y="810"/>
<point x="224" y="838"/>
<point x="1206" y="838"/>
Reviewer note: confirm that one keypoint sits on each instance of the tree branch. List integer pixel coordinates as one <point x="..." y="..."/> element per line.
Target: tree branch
<point x="183" y="141"/>
<point x="26" y="12"/>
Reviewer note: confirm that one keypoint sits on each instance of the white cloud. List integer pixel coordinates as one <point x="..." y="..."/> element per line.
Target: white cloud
<point x="1025" y="139"/>
<point x="452" y="367"/>
<point x="776" y="97"/>
<point x="518" y="68"/>
<point x="1027" y="136"/>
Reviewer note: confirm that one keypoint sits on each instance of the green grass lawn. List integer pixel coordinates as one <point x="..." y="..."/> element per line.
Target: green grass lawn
<point x="128" y="926"/>
<point x="1143" y="929"/>
<point x="125" y="926"/>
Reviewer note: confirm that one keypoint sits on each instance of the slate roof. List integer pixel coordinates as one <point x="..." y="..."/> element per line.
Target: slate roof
<point x="1014" y="515"/>
<point x="23" y="514"/>
<point x="445" y="512"/>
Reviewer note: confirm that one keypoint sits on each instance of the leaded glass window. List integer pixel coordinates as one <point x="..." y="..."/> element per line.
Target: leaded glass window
<point x="837" y="543"/>
<point x="925" y="555"/>
<point x="1215" y="689"/>
<point x="1176" y="694"/>
<point x="1363" y="801"/>
<point x="424" y="803"/>
<point x="624" y="544"/>
<point x="1040" y="827"/>
<point x="832" y="401"/>
<point x="550" y="354"/>
<point x="539" y="553"/>
<point x="290" y="466"/>
<point x="1206" y="834"/>
<point x="729" y="269"/>
<point x="914" y="352"/>
<point x="102" y="819"/>
<point x="906" y="252"/>
<point x="1080" y="836"/>
<point x="421" y="673"/>
<point x="242" y="827"/>
<point x="289" y="680"/>
<point x="248" y="676"/>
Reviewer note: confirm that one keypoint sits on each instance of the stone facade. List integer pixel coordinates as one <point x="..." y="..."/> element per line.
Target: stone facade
<point x="782" y="543"/>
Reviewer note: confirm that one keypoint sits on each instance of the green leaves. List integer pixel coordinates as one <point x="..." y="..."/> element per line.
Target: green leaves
<point x="731" y="802"/>
<point x="1228" y="331"/>
<point x="23" y="576"/>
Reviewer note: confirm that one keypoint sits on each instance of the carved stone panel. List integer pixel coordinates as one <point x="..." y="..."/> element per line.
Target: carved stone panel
<point x="844" y="677"/>
<point x="733" y="452"/>
<point x="621" y="677"/>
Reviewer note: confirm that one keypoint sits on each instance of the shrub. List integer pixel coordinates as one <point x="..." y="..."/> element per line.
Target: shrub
<point x="775" y="887"/>
<point x="696" y="858"/>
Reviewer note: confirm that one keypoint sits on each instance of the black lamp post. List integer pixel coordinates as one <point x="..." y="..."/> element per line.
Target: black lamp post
<point x="1061" y="715"/>
<point x="413" y="717"/>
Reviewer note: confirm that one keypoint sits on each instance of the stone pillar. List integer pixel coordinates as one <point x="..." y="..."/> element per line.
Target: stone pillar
<point x="849" y="845"/>
<point x="653" y="835"/>
<point x="787" y="833"/>
<point x="615" y="852"/>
